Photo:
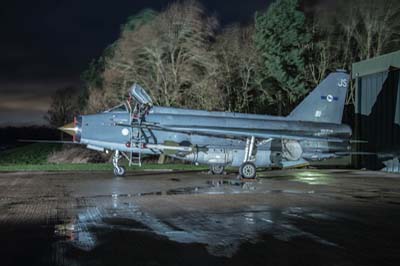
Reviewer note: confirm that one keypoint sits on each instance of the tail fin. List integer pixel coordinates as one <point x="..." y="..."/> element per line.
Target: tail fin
<point x="326" y="102"/>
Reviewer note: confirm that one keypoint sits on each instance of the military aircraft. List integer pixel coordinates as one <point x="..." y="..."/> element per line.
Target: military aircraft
<point x="312" y="131"/>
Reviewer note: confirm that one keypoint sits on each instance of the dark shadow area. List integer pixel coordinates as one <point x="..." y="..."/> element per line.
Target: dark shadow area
<point x="379" y="128"/>
<point x="371" y="240"/>
<point x="9" y="136"/>
<point x="27" y="244"/>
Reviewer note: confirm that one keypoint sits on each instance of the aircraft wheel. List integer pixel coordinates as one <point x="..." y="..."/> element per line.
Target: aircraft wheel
<point x="248" y="170"/>
<point x="119" y="171"/>
<point x="217" y="169"/>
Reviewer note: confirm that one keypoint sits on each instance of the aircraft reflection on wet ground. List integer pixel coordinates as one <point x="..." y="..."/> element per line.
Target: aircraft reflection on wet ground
<point x="221" y="232"/>
<point x="309" y="217"/>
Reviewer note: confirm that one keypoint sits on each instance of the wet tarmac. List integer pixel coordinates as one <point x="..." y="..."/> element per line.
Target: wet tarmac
<point x="294" y="217"/>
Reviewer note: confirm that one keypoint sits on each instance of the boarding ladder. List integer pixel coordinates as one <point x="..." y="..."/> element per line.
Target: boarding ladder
<point x="136" y="141"/>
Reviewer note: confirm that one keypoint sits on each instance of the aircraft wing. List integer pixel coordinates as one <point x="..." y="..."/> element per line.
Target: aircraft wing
<point x="232" y="133"/>
<point x="242" y="133"/>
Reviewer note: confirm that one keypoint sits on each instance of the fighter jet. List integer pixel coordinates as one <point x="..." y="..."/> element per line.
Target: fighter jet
<point x="312" y="131"/>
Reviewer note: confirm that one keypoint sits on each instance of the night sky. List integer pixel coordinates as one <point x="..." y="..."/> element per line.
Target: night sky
<point x="46" y="45"/>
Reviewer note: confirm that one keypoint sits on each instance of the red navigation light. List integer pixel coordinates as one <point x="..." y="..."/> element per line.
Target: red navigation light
<point x="73" y="136"/>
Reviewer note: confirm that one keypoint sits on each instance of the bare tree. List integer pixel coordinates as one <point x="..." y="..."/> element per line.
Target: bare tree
<point x="239" y="63"/>
<point x="319" y="51"/>
<point x="170" y="56"/>
<point x="63" y="107"/>
<point x="350" y="31"/>
<point x="379" y="25"/>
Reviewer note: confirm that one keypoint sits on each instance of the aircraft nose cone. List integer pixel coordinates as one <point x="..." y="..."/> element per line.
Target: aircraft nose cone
<point x="70" y="129"/>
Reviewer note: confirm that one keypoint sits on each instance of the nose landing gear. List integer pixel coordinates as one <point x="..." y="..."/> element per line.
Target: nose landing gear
<point x="118" y="170"/>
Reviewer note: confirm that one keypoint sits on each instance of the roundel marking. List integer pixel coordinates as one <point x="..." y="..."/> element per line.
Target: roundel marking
<point x="125" y="132"/>
<point x="329" y="98"/>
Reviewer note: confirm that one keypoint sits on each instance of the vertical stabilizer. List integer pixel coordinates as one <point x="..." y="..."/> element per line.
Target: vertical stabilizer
<point x="326" y="102"/>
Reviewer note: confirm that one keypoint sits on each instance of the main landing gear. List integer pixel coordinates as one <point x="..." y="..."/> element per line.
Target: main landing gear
<point x="217" y="169"/>
<point x="118" y="170"/>
<point x="248" y="169"/>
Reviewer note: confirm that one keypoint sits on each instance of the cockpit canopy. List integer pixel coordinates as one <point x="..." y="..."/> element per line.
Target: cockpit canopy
<point x="122" y="108"/>
<point x="140" y="95"/>
<point x="138" y="104"/>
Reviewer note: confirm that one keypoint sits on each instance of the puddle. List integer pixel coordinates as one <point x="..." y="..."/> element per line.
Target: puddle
<point x="218" y="183"/>
<point x="366" y="196"/>
<point x="156" y="193"/>
<point x="211" y="187"/>
<point x="184" y="190"/>
<point x="117" y="232"/>
<point x="393" y="202"/>
<point x="284" y="243"/>
<point x="122" y="222"/>
<point x="313" y="178"/>
<point x="220" y="233"/>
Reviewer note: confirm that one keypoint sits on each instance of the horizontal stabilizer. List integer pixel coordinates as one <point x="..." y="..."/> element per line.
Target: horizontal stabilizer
<point x="344" y="153"/>
<point x="358" y="141"/>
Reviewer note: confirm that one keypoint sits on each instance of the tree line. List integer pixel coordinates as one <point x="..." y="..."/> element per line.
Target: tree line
<point x="184" y="58"/>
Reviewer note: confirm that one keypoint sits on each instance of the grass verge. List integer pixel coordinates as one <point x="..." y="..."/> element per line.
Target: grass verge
<point x="29" y="154"/>
<point x="33" y="157"/>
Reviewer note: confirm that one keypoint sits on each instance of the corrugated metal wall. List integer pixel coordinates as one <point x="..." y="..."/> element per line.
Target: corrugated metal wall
<point x="377" y="111"/>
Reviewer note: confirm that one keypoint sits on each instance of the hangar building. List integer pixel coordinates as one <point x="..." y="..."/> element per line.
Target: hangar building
<point x="377" y="111"/>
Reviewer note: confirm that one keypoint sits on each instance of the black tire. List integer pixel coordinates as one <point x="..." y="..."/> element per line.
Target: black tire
<point x="120" y="171"/>
<point x="248" y="170"/>
<point x="217" y="169"/>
